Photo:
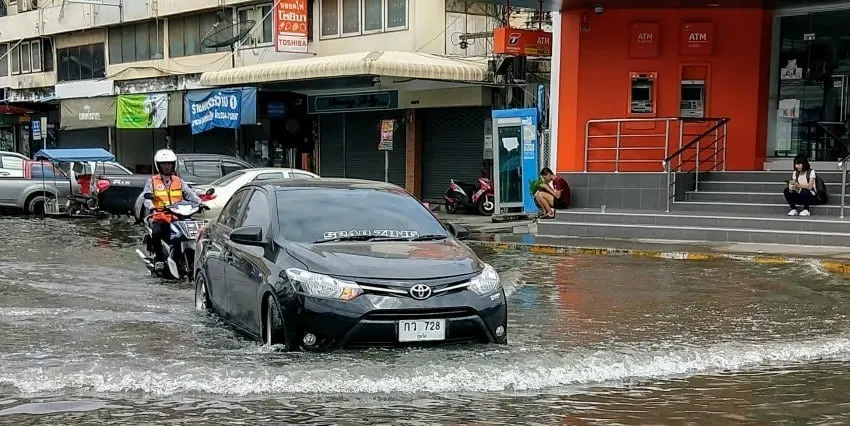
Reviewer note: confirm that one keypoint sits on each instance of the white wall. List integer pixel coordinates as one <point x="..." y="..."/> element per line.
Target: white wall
<point x="426" y="22"/>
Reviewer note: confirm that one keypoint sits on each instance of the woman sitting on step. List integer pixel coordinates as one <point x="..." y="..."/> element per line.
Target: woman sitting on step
<point x="801" y="189"/>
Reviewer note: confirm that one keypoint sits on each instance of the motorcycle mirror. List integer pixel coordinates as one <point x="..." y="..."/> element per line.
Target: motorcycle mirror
<point x="210" y="191"/>
<point x="148" y="196"/>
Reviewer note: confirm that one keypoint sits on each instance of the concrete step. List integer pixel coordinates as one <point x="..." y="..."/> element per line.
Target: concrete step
<point x="750" y="209"/>
<point x="750" y="197"/>
<point x="690" y="233"/>
<point x="703" y="219"/>
<point x="771" y="187"/>
<point x="764" y="176"/>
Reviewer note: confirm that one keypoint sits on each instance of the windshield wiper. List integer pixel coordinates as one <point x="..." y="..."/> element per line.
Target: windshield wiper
<point x="346" y="238"/>
<point x="428" y="237"/>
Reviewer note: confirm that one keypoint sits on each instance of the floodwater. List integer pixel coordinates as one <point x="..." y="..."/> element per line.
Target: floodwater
<point x="87" y="337"/>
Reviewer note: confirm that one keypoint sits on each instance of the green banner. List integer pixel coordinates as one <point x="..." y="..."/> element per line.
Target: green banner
<point x="147" y="111"/>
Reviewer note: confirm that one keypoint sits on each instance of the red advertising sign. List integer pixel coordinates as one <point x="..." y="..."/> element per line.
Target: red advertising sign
<point x="521" y="42"/>
<point x="697" y="39"/>
<point x="644" y="41"/>
<point x="290" y="24"/>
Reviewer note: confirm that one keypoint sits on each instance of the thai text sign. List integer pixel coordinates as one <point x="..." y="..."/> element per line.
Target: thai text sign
<point x="221" y="108"/>
<point x="290" y="24"/>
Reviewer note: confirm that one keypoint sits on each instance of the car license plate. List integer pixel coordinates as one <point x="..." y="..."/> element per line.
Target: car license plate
<point x="421" y="330"/>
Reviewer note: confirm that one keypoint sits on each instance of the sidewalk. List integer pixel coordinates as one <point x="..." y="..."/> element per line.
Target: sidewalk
<point x="477" y="224"/>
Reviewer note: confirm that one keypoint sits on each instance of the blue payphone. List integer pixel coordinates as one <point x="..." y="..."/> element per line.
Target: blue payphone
<point x="515" y="159"/>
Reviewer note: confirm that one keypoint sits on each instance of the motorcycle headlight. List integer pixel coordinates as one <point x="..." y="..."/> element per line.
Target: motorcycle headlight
<point x="323" y="286"/>
<point x="486" y="282"/>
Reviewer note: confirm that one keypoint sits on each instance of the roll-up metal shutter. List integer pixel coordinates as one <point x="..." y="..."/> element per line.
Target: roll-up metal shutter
<point x="452" y="147"/>
<point x="362" y="135"/>
<point x="82" y="138"/>
<point x="332" y="145"/>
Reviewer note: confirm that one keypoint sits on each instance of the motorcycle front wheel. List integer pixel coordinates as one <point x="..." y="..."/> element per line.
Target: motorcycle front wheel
<point x="486" y="206"/>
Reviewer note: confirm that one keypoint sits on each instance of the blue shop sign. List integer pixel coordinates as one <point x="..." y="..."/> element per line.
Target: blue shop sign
<point x="221" y="108"/>
<point x="248" y="103"/>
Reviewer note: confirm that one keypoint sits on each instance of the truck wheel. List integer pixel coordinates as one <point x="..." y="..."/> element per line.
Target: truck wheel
<point x="35" y="204"/>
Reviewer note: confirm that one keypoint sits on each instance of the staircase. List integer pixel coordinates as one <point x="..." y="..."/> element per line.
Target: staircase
<point x="745" y="207"/>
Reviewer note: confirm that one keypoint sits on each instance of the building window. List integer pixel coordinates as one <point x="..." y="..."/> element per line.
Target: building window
<point x="186" y="32"/>
<point x="4" y="59"/>
<point x="138" y="42"/>
<point x="341" y="18"/>
<point x="263" y="33"/>
<point x="81" y="62"/>
<point x="31" y="56"/>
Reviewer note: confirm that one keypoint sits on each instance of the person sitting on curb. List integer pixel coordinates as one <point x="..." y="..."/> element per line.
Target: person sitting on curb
<point x="801" y="188"/>
<point x="553" y="194"/>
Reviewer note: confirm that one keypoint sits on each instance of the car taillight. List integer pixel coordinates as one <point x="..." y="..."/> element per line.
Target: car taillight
<point x="206" y="197"/>
<point x="103" y="185"/>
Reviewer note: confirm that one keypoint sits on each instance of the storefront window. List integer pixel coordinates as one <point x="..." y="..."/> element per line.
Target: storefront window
<point x="814" y="86"/>
<point x="7" y="139"/>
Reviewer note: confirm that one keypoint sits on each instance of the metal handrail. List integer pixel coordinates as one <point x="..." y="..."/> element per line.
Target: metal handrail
<point x="719" y="137"/>
<point x="843" y="166"/>
<point x="619" y="135"/>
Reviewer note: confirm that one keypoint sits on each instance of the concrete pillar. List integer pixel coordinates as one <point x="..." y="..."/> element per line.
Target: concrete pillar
<point x="413" y="158"/>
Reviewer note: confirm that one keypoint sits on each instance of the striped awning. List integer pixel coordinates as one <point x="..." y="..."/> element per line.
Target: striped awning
<point x="377" y="63"/>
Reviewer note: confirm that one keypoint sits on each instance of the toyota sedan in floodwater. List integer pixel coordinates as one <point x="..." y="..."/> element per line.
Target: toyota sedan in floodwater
<point x="318" y="264"/>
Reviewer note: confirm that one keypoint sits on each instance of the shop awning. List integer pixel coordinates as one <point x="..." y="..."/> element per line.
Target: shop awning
<point x="13" y="110"/>
<point x="378" y="63"/>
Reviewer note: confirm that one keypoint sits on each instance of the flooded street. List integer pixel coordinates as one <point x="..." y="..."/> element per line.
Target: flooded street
<point x="88" y="337"/>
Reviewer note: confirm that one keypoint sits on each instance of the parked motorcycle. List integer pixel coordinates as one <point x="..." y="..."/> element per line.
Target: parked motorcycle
<point x="179" y="250"/>
<point x="464" y="196"/>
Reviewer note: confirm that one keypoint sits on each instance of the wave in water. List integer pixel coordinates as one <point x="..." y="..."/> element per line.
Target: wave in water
<point x="520" y="369"/>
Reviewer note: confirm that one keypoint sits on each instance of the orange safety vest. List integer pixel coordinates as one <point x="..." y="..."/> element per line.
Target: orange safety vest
<point x="164" y="196"/>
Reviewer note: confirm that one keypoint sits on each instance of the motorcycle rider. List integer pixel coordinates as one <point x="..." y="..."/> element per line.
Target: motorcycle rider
<point x="167" y="188"/>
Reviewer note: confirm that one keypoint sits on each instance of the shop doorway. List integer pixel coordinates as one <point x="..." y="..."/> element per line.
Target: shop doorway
<point x="814" y="86"/>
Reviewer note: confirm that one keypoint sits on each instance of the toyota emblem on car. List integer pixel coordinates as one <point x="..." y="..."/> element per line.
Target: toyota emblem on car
<point x="420" y="292"/>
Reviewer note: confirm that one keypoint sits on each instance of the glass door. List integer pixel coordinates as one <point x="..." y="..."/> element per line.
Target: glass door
<point x="814" y="102"/>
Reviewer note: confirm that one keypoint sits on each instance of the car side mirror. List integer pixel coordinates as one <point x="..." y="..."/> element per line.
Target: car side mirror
<point x="148" y="196"/>
<point x="210" y="191"/>
<point x="248" y="235"/>
<point x="458" y="231"/>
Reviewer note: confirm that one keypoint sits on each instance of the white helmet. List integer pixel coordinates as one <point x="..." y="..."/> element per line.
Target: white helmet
<point x="164" y="156"/>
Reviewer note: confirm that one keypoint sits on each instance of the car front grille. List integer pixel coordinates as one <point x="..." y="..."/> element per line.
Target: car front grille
<point x="414" y="314"/>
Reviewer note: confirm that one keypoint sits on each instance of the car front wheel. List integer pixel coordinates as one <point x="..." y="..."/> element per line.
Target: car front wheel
<point x="274" y="329"/>
<point x="202" y="298"/>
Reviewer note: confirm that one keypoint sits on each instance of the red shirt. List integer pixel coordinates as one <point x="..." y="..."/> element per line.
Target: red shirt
<point x="561" y="185"/>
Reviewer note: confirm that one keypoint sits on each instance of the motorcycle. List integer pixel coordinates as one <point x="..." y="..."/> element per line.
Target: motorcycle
<point x="179" y="249"/>
<point x="464" y="196"/>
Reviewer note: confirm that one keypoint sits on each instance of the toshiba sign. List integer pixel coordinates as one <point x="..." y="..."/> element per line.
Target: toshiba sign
<point x="290" y="23"/>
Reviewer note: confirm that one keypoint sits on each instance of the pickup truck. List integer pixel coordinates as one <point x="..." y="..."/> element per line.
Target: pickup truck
<point x="39" y="182"/>
<point x="122" y="194"/>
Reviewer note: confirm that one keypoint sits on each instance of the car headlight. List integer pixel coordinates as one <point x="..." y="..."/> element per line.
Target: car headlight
<point x="485" y="282"/>
<point x="318" y="285"/>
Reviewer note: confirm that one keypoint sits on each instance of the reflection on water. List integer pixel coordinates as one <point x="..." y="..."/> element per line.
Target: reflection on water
<point x="88" y="338"/>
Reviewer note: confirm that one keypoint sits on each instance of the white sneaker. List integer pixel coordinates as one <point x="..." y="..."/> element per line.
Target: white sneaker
<point x="805" y="213"/>
<point x="793" y="212"/>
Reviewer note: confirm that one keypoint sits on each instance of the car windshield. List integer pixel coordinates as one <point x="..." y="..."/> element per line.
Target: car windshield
<point x="226" y="179"/>
<point x="327" y="214"/>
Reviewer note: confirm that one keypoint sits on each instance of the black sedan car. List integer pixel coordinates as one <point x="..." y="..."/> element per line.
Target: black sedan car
<point x="320" y="264"/>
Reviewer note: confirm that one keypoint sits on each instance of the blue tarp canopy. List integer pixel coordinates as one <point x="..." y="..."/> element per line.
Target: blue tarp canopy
<point x="68" y="155"/>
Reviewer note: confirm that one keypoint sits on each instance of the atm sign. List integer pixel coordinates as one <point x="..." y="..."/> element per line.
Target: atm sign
<point x="697" y="39"/>
<point x="522" y="42"/>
